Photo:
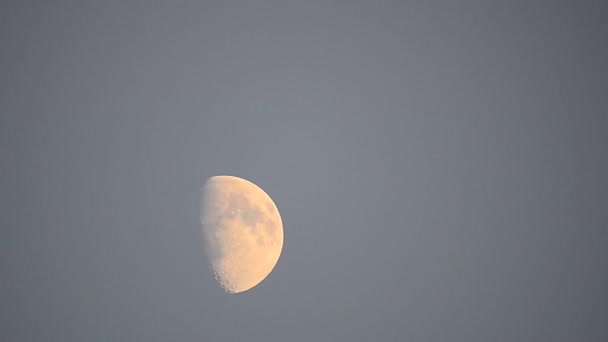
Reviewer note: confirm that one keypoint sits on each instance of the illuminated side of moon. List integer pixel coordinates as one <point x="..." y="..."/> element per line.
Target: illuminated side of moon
<point x="242" y="232"/>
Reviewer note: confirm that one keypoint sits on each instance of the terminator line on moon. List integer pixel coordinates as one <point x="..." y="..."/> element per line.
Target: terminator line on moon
<point x="242" y="232"/>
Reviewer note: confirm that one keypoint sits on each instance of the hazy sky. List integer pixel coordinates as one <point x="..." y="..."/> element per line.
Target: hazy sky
<point x="440" y="168"/>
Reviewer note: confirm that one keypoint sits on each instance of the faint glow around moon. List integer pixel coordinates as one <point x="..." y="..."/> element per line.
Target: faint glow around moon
<point x="242" y="232"/>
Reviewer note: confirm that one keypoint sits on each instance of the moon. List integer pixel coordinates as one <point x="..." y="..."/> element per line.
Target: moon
<point x="242" y="232"/>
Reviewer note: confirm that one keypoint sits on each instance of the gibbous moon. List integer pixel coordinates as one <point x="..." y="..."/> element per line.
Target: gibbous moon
<point x="242" y="232"/>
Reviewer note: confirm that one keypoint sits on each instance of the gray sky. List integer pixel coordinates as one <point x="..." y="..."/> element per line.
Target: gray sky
<point x="440" y="168"/>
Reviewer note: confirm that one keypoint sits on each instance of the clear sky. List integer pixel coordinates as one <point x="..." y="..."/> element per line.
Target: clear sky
<point x="440" y="168"/>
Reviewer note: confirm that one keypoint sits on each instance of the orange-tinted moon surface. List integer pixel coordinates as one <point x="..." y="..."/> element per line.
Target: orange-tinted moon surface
<point x="242" y="232"/>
